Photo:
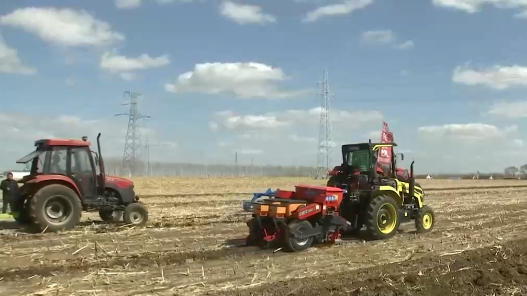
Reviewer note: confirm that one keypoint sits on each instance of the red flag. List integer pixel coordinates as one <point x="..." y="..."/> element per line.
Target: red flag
<point x="384" y="156"/>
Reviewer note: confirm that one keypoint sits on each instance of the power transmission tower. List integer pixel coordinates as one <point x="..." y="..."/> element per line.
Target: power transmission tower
<point x="132" y="164"/>
<point x="324" y="133"/>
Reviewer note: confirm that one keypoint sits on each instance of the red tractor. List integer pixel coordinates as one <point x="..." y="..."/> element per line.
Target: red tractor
<point x="64" y="182"/>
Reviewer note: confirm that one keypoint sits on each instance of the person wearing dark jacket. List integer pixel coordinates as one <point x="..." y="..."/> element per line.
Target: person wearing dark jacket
<point x="9" y="189"/>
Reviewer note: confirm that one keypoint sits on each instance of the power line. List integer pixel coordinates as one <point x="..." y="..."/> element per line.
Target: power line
<point x="324" y="132"/>
<point x="131" y="164"/>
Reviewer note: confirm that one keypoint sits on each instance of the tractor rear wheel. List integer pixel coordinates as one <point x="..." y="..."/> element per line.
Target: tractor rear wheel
<point x="135" y="214"/>
<point x="294" y="244"/>
<point x="54" y="208"/>
<point x="381" y="218"/>
<point x="424" y="220"/>
<point x="110" y="215"/>
<point x="23" y="217"/>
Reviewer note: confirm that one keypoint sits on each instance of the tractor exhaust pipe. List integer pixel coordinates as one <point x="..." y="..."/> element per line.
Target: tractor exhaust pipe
<point x="101" y="160"/>
<point x="411" y="184"/>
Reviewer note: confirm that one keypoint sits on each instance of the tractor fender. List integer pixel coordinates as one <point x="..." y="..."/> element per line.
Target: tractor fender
<point x="126" y="194"/>
<point x="40" y="181"/>
<point x="418" y="197"/>
<point x="390" y="191"/>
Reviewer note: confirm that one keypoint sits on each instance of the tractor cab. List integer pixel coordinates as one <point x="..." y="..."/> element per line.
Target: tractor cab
<point x="66" y="159"/>
<point x="361" y="160"/>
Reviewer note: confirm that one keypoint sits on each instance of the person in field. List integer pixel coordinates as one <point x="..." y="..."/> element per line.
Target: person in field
<point x="9" y="189"/>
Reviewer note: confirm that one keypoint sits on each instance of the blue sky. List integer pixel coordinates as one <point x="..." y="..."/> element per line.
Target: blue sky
<point x="448" y="77"/>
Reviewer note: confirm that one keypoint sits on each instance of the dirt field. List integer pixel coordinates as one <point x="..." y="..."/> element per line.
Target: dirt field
<point x="192" y="246"/>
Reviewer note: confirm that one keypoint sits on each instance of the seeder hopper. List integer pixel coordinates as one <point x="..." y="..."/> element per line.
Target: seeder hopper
<point x="297" y="219"/>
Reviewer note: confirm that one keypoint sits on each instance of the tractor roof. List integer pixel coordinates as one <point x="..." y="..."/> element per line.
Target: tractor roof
<point x="367" y="144"/>
<point x="63" y="142"/>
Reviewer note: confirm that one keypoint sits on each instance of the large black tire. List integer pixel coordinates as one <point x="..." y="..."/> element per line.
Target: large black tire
<point x="110" y="216"/>
<point x="349" y="212"/>
<point x="54" y="208"/>
<point x="424" y="220"/>
<point x="293" y="244"/>
<point x="382" y="218"/>
<point x="254" y="238"/>
<point x="23" y="217"/>
<point x="135" y="214"/>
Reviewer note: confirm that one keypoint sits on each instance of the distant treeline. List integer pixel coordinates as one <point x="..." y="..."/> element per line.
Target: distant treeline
<point x="466" y="176"/>
<point x="113" y="166"/>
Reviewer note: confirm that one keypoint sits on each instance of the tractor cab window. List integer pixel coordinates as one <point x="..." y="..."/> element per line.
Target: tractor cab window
<point x="35" y="160"/>
<point x="359" y="159"/>
<point x="58" y="161"/>
<point x="80" y="161"/>
<point x="81" y="170"/>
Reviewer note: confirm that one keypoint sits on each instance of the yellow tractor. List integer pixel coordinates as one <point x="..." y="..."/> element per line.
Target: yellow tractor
<point x="378" y="199"/>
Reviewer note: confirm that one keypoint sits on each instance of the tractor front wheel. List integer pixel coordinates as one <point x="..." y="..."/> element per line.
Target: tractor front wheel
<point x="382" y="219"/>
<point x="294" y="244"/>
<point x="54" y="208"/>
<point x="110" y="215"/>
<point x="135" y="214"/>
<point x="424" y="220"/>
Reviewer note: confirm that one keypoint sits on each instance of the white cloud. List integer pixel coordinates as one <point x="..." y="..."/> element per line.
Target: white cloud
<point x="65" y="26"/>
<point x="384" y="37"/>
<point x="278" y="121"/>
<point x="245" y="14"/>
<point x="473" y="6"/>
<point x="250" y="151"/>
<point x="346" y="7"/>
<point x="497" y="77"/>
<point x="465" y="132"/>
<point x="512" y="110"/>
<point x="10" y="62"/>
<point x="518" y="143"/>
<point x="231" y="121"/>
<point x="130" y="4"/>
<point x="172" y="1"/>
<point x="114" y="63"/>
<point x="406" y="45"/>
<point x="290" y="136"/>
<point x="378" y="36"/>
<point x="245" y="80"/>
<point x="127" y="4"/>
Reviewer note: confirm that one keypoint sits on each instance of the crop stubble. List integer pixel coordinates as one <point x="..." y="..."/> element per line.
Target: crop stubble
<point x="192" y="247"/>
